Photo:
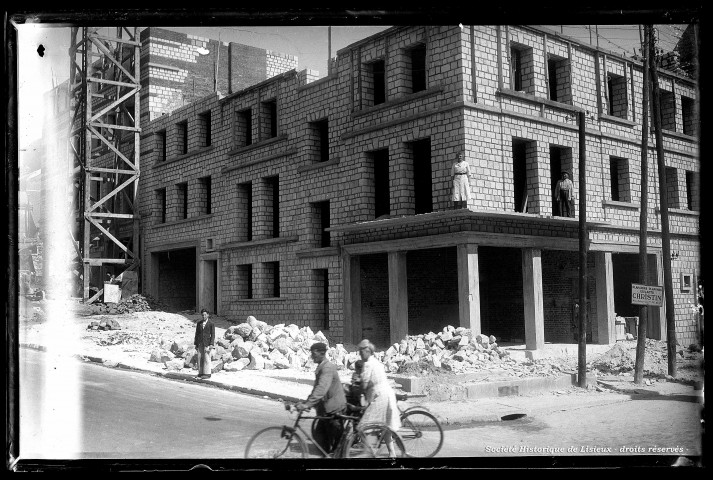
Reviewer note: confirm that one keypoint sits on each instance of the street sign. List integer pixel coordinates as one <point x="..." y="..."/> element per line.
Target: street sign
<point x="646" y="295"/>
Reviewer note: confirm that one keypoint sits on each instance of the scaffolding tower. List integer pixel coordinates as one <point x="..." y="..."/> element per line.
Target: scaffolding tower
<point x="104" y="142"/>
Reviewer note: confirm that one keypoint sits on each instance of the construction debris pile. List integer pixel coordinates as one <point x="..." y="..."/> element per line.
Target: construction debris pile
<point x="452" y="349"/>
<point x="134" y="303"/>
<point x="255" y="345"/>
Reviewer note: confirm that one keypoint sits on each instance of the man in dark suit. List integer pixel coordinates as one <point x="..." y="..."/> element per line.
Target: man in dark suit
<point x="328" y="398"/>
<point x="205" y="338"/>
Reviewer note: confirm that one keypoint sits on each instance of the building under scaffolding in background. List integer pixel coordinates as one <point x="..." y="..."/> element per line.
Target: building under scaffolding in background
<point x="119" y="78"/>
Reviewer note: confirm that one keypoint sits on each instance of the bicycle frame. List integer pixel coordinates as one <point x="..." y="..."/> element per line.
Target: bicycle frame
<point x="349" y="421"/>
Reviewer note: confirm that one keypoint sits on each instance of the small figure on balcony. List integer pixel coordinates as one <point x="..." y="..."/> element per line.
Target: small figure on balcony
<point x="460" y="171"/>
<point x="563" y="195"/>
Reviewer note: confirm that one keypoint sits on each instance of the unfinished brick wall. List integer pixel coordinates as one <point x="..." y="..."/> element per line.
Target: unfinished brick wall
<point x="432" y="290"/>
<point x="177" y="69"/>
<point x="374" y="279"/>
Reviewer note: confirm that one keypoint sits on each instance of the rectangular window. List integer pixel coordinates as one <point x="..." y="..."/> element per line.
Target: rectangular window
<point x="422" y="181"/>
<point x="374" y="88"/>
<point x="519" y="158"/>
<point x="672" y="189"/>
<point x="182" y="189"/>
<point x="204" y="195"/>
<point x="204" y="128"/>
<point x="560" y="161"/>
<point x="620" y="185"/>
<point x="318" y="142"/>
<point x="320" y="223"/>
<point x="516" y="69"/>
<point x="668" y="111"/>
<point x="321" y="294"/>
<point x="522" y="68"/>
<point x="418" y="68"/>
<point x="614" y="175"/>
<point x="243" y="128"/>
<point x="161" y="145"/>
<point x="273" y="185"/>
<point x="617" y="93"/>
<point x="161" y="200"/>
<point x="244" y="282"/>
<point x="272" y="272"/>
<point x="688" y="112"/>
<point x="692" y="191"/>
<point x="268" y="118"/>
<point x="382" y="202"/>
<point x="245" y="212"/>
<point x="558" y="74"/>
<point x="182" y="129"/>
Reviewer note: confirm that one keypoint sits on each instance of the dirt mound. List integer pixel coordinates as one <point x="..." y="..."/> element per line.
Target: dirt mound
<point x="616" y="360"/>
<point x="421" y="367"/>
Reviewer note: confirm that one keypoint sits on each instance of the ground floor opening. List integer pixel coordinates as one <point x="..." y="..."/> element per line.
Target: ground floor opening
<point x="176" y="282"/>
<point x="519" y="295"/>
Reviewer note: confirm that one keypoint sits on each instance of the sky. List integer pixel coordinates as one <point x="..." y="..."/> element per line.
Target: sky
<point x="37" y="74"/>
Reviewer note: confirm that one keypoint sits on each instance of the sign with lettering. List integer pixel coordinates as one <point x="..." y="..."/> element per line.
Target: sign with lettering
<point x="646" y="295"/>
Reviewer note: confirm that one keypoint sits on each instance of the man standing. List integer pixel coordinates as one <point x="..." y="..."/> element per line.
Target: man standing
<point x="563" y="195"/>
<point x="328" y="398"/>
<point x="205" y="337"/>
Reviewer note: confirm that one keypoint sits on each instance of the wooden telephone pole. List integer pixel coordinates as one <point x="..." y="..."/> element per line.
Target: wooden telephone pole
<point x="582" y="347"/>
<point x="643" y="218"/>
<point x="663" y="200"/>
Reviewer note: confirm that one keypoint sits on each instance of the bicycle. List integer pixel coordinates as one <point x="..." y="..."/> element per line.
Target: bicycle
<point x="420" y="432"/>
<point x="287" y="442"/>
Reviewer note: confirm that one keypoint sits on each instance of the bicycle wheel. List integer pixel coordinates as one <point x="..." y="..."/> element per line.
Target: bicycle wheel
<point x="355" y="446"/>
<point x="421" y="433"/>
<point x="372" y="441"/>
<point x="276" y="442"/>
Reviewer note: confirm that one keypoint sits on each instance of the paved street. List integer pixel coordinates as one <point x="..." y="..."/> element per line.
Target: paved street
<point x="110" y="413"/>
<point x="647" y="426"/>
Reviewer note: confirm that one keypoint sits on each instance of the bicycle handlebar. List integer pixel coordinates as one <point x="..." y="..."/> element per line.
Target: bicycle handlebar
<point x="289" y="406"/>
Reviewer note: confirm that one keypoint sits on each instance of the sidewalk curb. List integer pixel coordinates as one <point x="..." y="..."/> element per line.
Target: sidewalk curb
<point x="170" y="375"/>
<point x="446" y="419"/>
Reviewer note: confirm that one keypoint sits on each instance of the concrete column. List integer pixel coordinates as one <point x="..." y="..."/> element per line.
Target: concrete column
<point x="604" y="332"/>
<point x="207" y="285"/>
<point x="351" y="268"/>
<point x="398" y="296"/>
<point x="469" y="287"/>
<point x="532" y="293"/>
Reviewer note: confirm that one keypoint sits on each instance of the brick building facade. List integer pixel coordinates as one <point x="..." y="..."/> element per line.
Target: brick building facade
<point x="328" y="202"/>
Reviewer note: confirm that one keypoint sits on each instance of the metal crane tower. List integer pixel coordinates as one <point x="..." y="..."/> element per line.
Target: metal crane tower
<point x="104" y="141"/>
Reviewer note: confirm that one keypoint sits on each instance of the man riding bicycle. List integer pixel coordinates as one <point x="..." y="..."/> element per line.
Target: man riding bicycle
<point x="327" y="397"/>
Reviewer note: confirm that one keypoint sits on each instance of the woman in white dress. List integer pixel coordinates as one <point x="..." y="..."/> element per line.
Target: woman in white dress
<point x="380" y="397"/>
<point x="460" y="172"/>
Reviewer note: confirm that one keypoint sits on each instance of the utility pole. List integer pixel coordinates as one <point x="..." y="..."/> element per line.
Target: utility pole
<point x="582" y="347"/>
<point x="329" y="50"/>
<point x="663" y="200"/>
<point x="643" y="217"/>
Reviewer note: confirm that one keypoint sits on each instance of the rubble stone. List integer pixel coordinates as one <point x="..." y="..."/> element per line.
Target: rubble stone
<point x="174" y="365"/>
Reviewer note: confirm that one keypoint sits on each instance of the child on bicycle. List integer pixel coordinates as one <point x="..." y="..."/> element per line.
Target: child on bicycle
<point x="354" y="391"/>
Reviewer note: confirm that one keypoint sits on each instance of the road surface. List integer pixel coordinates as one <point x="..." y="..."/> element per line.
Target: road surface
<point x="75" y="410"/>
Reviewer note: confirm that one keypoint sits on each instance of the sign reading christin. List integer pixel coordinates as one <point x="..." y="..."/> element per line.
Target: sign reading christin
<point x="646" y="295"/>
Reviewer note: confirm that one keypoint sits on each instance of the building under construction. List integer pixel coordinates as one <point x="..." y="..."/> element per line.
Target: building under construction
<point x="327" y="202"/>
